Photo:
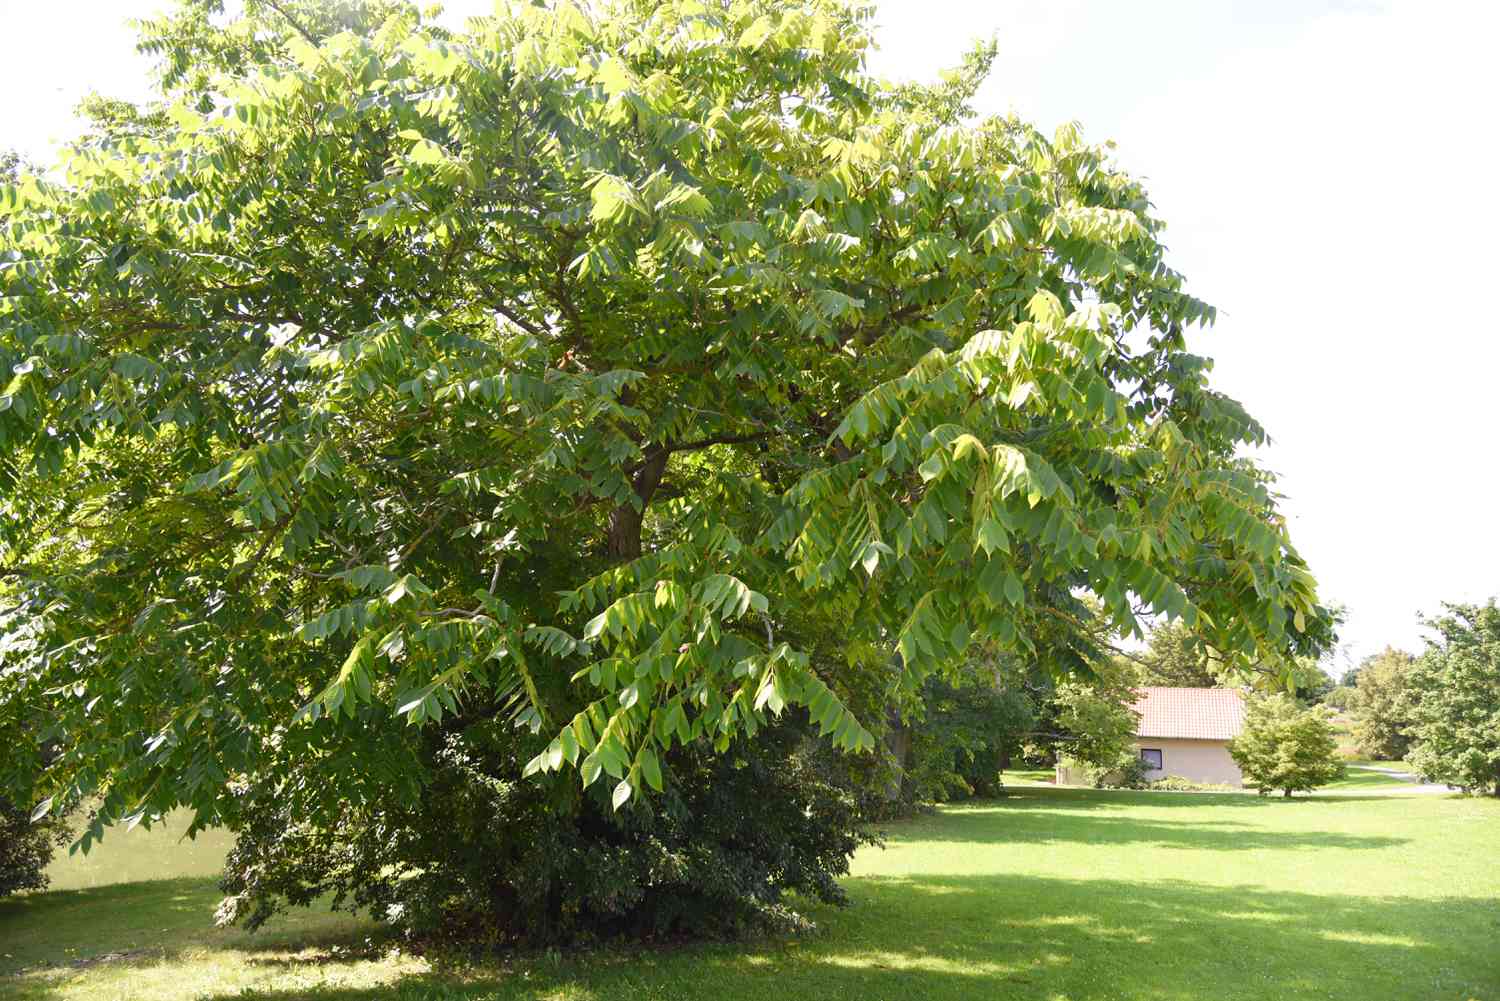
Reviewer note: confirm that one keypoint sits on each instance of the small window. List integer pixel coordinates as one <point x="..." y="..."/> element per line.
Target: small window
<point x="1152" y="757"/>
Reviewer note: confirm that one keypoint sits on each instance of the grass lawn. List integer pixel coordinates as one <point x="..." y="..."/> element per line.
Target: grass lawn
<point x="1050" y="894"/>
<point x="1355" y="778"/>
<point x="134" y="856"/>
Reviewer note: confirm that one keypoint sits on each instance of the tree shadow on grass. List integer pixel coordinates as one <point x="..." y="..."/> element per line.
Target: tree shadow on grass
<point x="1087" y="938"/>
<point x="151" y="919"/>
<point x="934" y="935"/>
<point x="1024" y="937"/>
<point x="1084" y="798"/>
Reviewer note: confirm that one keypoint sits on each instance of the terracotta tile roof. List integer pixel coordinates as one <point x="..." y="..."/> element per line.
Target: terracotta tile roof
<point x="1190" y="713"/>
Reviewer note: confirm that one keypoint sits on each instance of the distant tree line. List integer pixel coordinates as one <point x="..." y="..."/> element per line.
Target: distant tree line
<point x="1440" y="711"/>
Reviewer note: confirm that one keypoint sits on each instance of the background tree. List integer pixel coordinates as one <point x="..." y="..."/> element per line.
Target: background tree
<point x="1453" y="700"/>
<point x="1382" y="725"/>
<point x="633" y="373"/>
<point x="967" y="734"/>
<point x="1096" y="716"/>
<point x="1176" y="657"/>
<point x="1305" y="677"/>
<point x="1286" y="746"/>
<point x="1339" y="697"/>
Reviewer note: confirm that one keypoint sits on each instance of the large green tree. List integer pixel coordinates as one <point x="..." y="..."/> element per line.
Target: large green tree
<point x="26" y="844"/>
<point x="631" y="369"/>
<point x="1378" y="702"/>
<point x="1452" y="699"/>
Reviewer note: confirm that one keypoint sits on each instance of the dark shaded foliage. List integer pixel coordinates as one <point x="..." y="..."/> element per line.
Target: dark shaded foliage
<point x="968" y="734"/>
<point x="25" y="849"/>
<point x="486" y="857"/>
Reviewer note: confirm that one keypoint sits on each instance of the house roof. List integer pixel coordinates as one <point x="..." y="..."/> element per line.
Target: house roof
<point x="1190" y="713"/>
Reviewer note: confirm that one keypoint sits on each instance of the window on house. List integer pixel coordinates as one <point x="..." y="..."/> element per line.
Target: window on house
<point x="1152" y="757"/>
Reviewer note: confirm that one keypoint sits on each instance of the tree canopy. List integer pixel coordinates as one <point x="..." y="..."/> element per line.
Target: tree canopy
<point x="1452" y="699"/>
<point x="1175" y="657"/>
<point x="1378" y="702"/>
<point x="633" y="370"/>
<point x="1286" y="746"/>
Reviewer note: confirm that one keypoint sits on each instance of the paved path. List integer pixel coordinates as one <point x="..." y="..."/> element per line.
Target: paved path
<point x="1393" y="772"/>
<point x="1409" y="784"/>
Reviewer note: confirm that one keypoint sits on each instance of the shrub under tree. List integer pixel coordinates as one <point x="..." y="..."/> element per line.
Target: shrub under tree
<point x="626" y="372"/>
<point x="25" y="848"/>
<point x="1453" y="701"/>
<point x="483" y="856"/>
<point x="1286" y="746"/>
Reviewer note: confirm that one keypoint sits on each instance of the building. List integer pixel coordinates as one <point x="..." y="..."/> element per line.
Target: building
<point x="1186" y="732"/>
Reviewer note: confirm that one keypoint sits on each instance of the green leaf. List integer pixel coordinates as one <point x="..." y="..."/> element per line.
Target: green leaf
<point x="651" y="768"/>
<point x="932" y="468"/>
<point x="755" y="36"/>
<point x="590" y="770"/>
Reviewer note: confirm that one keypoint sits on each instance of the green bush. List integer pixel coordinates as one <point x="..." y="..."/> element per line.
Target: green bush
<point x="488" y="857"/>
<point x="25" y="849"/>
<point x="1176" y="783"/>
<point x="1339" y="697"/>
<point x="1285" y="746"/>
<point x="1131" y="774"/>
<point x="1127" y="771"/>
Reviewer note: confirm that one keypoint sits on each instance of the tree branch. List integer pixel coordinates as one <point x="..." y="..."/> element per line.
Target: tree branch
<point x="520" y="321"/>
<point x="287" y="16"/>
<point x="693" y="446"/>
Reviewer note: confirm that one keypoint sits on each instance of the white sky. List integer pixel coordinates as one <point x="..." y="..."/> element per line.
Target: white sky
<point x="1325" y="168"/>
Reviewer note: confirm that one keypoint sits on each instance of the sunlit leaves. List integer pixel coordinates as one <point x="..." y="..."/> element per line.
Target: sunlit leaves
<point x="628" y="376"/>
<point x="615" y="200"/>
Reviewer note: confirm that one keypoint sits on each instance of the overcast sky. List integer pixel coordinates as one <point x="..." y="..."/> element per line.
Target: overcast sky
<point x="1326" y="169"/>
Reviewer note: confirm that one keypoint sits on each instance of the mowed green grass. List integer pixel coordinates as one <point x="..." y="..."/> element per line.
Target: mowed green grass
<point x="1049" y="894"/>
<point x="134" y="855"/>
<point x="1358" y="778"/>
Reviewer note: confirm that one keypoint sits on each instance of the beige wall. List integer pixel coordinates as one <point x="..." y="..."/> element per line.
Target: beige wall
<point x="1196" y="760"/>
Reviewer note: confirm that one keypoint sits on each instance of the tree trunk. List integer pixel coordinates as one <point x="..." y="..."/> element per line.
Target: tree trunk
<point x="898" y="742"/>
<point x="1286" y="794"/>
<point x="624" y="535"/>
